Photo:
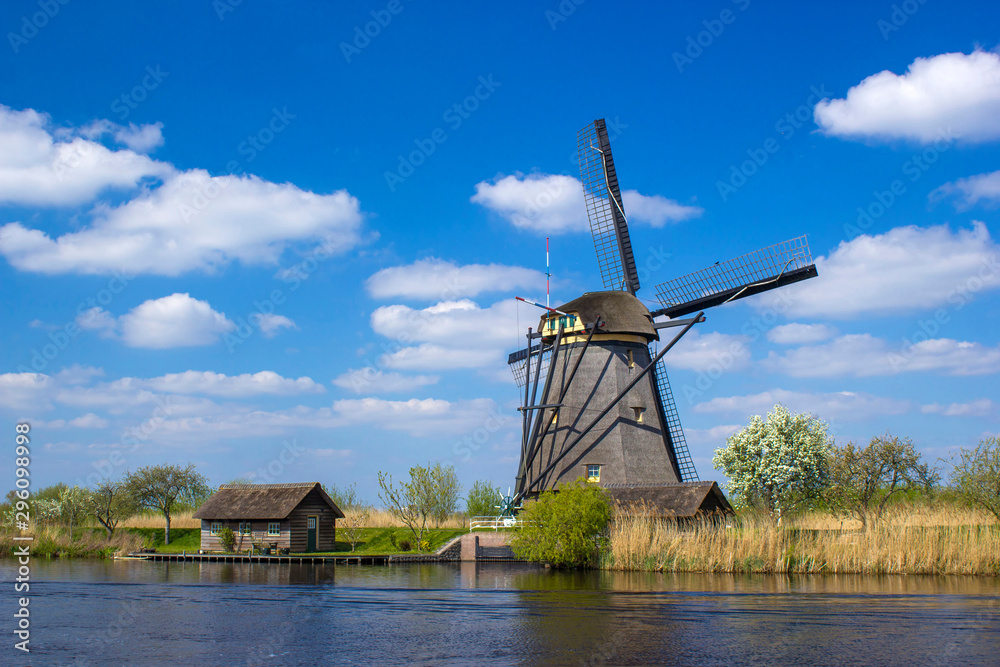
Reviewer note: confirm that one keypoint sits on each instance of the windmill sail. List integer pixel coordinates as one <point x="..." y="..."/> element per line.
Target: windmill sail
<point x="605" y="210"/>
<point x="673" y="421"/>
<point x="517" y="366"/>
<point x="759" y="271"/>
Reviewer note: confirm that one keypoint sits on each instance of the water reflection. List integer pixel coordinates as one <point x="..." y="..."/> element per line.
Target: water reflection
<point x="107" y="613"/>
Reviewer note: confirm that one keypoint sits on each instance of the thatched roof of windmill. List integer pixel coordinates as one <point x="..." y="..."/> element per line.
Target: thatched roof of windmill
<point x="260" y="501"/>
<point x="684" y="500"/>
<point x="619" y="311"/>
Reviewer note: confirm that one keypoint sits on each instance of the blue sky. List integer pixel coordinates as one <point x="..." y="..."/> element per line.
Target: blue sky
<point x="284" y="242"/>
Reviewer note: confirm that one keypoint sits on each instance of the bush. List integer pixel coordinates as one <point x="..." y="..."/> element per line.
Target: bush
<point x="566" y="527"/>
<point x="228" y="538"/>
<point x="404" y="545"/>
<point x="976" y="475"/>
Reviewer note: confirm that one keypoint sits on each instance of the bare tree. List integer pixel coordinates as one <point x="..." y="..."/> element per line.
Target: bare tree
<point x="355" y="521"/>
<point x="110" y="503"/>
<point x="163" y="487"/>
<point x="863" y="480"/>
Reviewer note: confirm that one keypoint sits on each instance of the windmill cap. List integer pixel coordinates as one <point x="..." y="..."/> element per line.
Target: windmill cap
<point x="620" y="313"/>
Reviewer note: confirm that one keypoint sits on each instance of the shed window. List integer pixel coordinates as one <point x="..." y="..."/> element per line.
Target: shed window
<point x="593" y="473"/>
<point x="216" y="527"/>
<point x="274" y="528"/>
<point x="638" y="413"/>
<point x="244" y="528"/>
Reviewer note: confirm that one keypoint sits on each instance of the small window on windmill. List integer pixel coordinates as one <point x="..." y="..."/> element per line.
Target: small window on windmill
<point x="631" y="361"/>
<point x="637" y="413"/>
<point x="593" y="473"/>
<point x="555" y="417"/>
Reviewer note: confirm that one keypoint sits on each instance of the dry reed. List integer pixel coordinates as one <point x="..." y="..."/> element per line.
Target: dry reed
<point x="906" y="542"/>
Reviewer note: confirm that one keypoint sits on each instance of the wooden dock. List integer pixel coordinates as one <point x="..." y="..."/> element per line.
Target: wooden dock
<point x="346" y="559"/>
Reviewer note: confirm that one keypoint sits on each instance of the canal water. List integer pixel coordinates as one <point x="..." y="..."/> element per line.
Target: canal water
<point x="86" y="612"/>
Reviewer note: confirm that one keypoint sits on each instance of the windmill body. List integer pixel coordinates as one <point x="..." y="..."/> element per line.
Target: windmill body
<point x="630" y="444"/>
<point x="597" y="400"/>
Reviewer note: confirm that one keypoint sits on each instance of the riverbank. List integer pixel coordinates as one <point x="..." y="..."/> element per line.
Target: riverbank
<point x="753" y="544"/>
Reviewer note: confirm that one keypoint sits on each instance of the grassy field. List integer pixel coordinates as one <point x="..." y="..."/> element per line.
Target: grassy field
<point x="909" y="541"/>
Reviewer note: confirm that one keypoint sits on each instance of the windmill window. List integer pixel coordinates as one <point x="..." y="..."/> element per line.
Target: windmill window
<point x="555" y="417"/>
<point x="638" y="412"/>
<point x="593" y="473"/>
<point x="631" y="361"/>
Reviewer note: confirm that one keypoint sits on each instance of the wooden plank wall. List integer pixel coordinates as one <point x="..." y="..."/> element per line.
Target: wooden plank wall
<point x="315" y="505"/>
<point x="211" y="542"/>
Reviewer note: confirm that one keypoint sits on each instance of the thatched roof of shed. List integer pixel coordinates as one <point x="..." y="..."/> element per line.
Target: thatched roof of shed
<point x="686" y="499"/>
<point x="620" y="311"/>
<point x="260" y="501"/>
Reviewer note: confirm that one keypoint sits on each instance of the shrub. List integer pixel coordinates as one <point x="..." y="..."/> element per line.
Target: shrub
<point x="566" y="527"/>
<point x="404" y="545"/>
<point x="228" y="538"/>
<point x="976" y="475"/>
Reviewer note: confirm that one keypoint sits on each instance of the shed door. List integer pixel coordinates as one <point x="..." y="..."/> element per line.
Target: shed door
<point x="311" y="533"/>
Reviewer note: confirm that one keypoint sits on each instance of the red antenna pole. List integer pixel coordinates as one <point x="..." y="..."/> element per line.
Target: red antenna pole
<point x="547" y="274"/>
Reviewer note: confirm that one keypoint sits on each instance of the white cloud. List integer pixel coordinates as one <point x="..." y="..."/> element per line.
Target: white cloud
<point x="89" y="420"/>
<point x="176" y="221"/>
<point x="271" y="324"/>
<point x="372" y="381"/>
<point x="428" y="357"/>
<point x="420" y="418"/>
<point x="716" y="435"/>
<point x="906" y="269"/>
<point x="984" y="407"/>
<point x="139" y="138"/>
<point x="656" y="209"/>
<point x="193" y="222"/>
<point x="438" y="279"/>
<point x="99" y="320"/>
<point x="37" y="168"/>
<point x="461" y="323"/>
<point x="24" y="391"/>
<point x="842" y="405"/>
<point x="232" y="386"/>
<point x="702" y="352"/>
<point x="177" y="320"/>
<point x="862" y="355"/>
<point x="950" y="92"/>
<point x="554" y="204"/>
<point x="796" y="333"/>
<point x="972" y="190"/>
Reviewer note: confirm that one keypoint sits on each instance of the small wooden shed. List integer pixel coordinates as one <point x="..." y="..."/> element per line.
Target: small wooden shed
<point x="298" y="517"/>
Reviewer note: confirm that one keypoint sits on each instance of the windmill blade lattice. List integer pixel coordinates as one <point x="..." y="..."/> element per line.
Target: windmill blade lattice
<point x="685" y="464"/>
<point x="604" y="209"/>
<point x="755" y="272"/>
<point x="517" y="365"/>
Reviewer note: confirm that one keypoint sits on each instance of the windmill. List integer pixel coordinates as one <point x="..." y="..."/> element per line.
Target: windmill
<point x="597" y="400"/>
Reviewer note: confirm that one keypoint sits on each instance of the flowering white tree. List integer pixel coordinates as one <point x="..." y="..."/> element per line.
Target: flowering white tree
<point x="776" y="462"/>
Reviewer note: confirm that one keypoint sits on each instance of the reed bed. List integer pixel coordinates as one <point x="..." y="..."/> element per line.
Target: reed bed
<point x="378" y="518"/>
<point x="757" y="544"/>
<point x="55" y="541"/>
<point x="156" y="520"/>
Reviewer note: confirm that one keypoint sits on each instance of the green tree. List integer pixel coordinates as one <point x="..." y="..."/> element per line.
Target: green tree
<point x="976" y="474"/>
<point x="776" y="463"/>
<point x="863" y="480"/>
<point x="228" y="539"/>
<point x="163" y="487"/>
<point x="482" y="499"/>
<point x="74" y="506"/>
<point x="566" y="527"/>
<point x="411" y="502"/>
<point x="345" y="497"/>
<point x="446" y="490"/>
<point x="110" y="503"/>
